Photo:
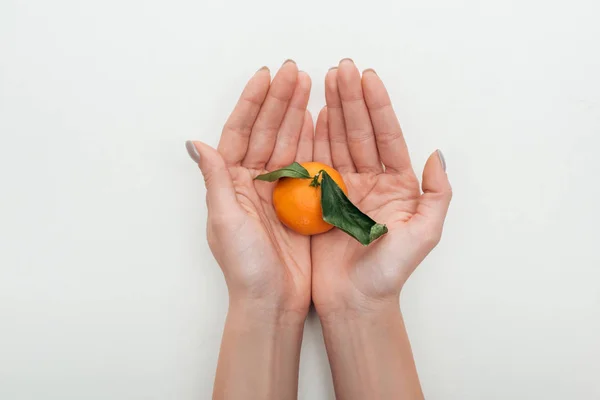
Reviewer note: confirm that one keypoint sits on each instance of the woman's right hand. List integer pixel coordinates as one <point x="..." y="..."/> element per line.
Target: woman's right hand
<point x="356" y="288"/>
<point x="358" y="133"/>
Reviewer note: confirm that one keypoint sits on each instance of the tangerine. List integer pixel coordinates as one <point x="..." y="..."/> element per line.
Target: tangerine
<point x="298" y="205"/>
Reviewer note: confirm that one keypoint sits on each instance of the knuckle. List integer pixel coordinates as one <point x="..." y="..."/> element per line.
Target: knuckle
<point x="353" y="98"/>
<point x="254" y="99"/>
<point x="269" y="131"/>
<point x="243" y="130"/>
<point x="359" y="136"/>
<point x="378" y="106"/>
<point x="280" y="96"/>
<point x="338" y="137"/>
<point x="209" y="176"/>
<point x="386" y="137"/>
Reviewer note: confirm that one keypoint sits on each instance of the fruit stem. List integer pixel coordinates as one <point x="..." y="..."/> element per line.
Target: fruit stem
<point x="315" y="180"/>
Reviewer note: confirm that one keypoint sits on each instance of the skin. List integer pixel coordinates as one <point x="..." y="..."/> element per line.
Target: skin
<point x="266" y="265"/>
<point x="356" y="289"/>
<point x="272" y="273"/>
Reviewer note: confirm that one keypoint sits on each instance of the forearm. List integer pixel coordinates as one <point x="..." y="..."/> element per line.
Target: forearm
<point x="370" y="355"/>
<point x="260" y="354"/>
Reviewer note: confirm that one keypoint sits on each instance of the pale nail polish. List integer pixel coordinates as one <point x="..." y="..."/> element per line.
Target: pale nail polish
<point x="442" y="159"/>
<point x="191" y="149"/>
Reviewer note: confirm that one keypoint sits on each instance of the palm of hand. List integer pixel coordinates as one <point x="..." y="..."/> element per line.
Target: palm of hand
<point x="371" y="271"/>
<point x="358" y="132"/>
<point x="359" y="135"/>
<point x="284" y="255"/>
<point x="269" y="128"/>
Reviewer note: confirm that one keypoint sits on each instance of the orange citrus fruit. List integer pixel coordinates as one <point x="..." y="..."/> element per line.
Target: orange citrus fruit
<point x="298" y="205"/>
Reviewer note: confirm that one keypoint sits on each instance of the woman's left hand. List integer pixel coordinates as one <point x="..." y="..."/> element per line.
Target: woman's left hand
<point x="264" y="263"/>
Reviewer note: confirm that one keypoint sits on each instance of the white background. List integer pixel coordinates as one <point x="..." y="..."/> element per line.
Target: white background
<point x="107" y="287"/>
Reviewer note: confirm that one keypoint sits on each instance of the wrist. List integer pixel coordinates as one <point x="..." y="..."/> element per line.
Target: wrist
<point x="355" y="306"/>
<point x="264" y="313"/>
<point x="367" y="311"/>
<point x="370" y="353"/>
<point x="260" y="352"/>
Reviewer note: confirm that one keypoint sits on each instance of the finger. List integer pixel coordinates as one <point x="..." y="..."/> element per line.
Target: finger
<point x="268" y="121"/>
<point x="305" y="144"/>
<point x="340" y="153"/>
<point x="390" y="140"/>
<point x="286" y="144"/>
<point x="322" y="149"/>
<point x="220" y="192"/>
<point x="435" y="200"/>
<point x="361" y="139"/>
<point x="237" y="129"/>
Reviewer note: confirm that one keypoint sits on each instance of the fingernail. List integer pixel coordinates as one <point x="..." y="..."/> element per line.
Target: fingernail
<point x="442" y="159"/>
<point x="191" y="149"/>
<point x="369" y="70"/>
<point x="332" y="68"/>
<point x="289" y="60"/>
<point x="265" y="68"/>
<point x="346" y="59"/>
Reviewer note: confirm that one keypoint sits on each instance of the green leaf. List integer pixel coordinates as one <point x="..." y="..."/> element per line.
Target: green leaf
<point x="339" y="211"/>
<point x="294" y="170"/>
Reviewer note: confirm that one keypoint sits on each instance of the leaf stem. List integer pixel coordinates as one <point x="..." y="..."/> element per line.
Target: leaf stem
<point x="315" y="180"/>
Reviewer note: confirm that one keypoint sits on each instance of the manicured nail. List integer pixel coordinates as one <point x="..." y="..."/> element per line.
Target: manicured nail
<point x="289" y="60"/>
<point x="369" y="70"/>
<point x="442" y="159"/>
<point x="346" y="59"/>
<point x="265" y="68"/>
<point x="191" y="149"/>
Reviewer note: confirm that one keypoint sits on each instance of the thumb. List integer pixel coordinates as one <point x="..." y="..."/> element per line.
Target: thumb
<point x="220" y="193"/>
<point x="435" y="200"/>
